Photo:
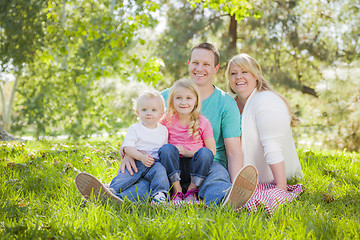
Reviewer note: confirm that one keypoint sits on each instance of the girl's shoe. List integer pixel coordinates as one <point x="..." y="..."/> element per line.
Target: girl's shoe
<point x="179" y="196"/>
<point x="191" y="195"/>
<point x="91" y="187"/>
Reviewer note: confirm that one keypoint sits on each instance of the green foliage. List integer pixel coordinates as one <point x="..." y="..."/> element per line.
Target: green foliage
<point x="238" y="8"/>
<point x="342" y="111"/>
<point x="21" y="31"/>
<point x="175" y="41"/>
<point x="38" y="199"/>
<point x="80" y="43"/>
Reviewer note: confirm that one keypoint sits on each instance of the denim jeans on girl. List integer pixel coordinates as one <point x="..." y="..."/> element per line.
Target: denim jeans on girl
<point x="186" y="169"/>
<point x="136" y="187"/>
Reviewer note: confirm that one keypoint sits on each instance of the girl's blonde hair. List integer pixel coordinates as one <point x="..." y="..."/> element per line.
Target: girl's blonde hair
<point x="195" y="113"/>
<point x="249" y="64"/>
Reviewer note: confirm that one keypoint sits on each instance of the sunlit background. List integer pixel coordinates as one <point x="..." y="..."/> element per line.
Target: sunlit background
<point x="71" y="68"/>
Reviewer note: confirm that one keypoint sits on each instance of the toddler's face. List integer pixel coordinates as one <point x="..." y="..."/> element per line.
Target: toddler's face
<point x="150" y="110"/>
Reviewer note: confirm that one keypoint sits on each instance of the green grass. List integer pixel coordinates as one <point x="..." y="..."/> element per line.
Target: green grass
<point x="39" y="200"/>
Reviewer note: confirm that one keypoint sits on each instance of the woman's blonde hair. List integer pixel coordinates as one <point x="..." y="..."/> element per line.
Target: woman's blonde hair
<point x="195" y="113"/>
<point x="249" y="64"/>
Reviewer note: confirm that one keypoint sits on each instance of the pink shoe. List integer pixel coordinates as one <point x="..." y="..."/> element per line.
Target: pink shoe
<point x="191" y="195"/>
<point x="179" y="196"/>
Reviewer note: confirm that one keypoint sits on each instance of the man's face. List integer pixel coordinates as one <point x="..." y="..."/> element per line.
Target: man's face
<point x="202" y="67"/>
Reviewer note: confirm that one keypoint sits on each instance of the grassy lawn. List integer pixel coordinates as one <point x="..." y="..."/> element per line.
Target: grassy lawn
<point x="39" y="200"/>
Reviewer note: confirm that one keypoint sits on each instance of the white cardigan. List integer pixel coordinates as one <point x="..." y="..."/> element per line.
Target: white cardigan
<point x="267" y="135"/>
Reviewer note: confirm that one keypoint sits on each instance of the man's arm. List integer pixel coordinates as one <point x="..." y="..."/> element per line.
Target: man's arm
<point x="234" y="156"/>
<point x="127" y="163"/>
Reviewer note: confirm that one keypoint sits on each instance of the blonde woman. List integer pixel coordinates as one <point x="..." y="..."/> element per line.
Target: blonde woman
<point x="266" y="121"/>
<point x="267" y="141"/>
<point x="191" y="149"/>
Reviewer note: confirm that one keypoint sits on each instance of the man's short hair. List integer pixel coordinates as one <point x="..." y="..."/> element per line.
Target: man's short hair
<point x="210" y="47"/>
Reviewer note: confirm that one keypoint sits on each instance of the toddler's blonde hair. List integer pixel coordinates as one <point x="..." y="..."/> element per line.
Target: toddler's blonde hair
<point x="152" y="93"/>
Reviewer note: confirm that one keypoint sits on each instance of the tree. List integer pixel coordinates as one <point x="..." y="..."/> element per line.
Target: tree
<point x="20" y="36"/>
<point x="74" y="44"/>
<point x="236" y="10"/>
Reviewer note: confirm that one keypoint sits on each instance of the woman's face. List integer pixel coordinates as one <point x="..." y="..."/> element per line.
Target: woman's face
<point x="242" y="82"/>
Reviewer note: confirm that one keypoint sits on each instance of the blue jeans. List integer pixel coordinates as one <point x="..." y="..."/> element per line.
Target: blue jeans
<point x="185" y="169"/>
<point x="215" y="185"/>
<point x="134" y="188"/>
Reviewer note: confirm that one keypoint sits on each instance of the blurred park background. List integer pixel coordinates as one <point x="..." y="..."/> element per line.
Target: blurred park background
<point x="71" y="67"/>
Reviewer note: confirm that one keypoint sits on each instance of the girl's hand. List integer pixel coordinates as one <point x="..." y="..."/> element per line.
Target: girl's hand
<point x="147" y="160"/>
<point x="181" y="149"/>
<point x="185" y="152"/>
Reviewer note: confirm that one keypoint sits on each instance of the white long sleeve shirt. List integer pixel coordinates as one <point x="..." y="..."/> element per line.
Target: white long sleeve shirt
<point x="267" y="135"/>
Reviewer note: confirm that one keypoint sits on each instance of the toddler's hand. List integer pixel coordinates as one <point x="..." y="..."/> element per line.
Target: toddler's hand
<point x="147" y="160"/>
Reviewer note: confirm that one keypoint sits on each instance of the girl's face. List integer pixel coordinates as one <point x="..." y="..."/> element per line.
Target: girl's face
<point x="242" y="82"/>
<point x="184" y="101"/>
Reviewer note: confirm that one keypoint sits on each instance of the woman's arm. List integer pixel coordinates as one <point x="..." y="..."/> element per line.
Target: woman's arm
<point x="278" y="171"/>
<point x="273" y="122"/>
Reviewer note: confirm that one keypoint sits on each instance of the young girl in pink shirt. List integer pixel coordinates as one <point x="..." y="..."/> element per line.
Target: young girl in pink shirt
<point x="191" y="146"/>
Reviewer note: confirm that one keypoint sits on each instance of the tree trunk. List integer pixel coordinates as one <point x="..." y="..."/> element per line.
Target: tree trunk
<point x="7" y="116"/>
<point x="3" y="103"/>
<point x="5" y="136"/>
<point x="233" y="35"/>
